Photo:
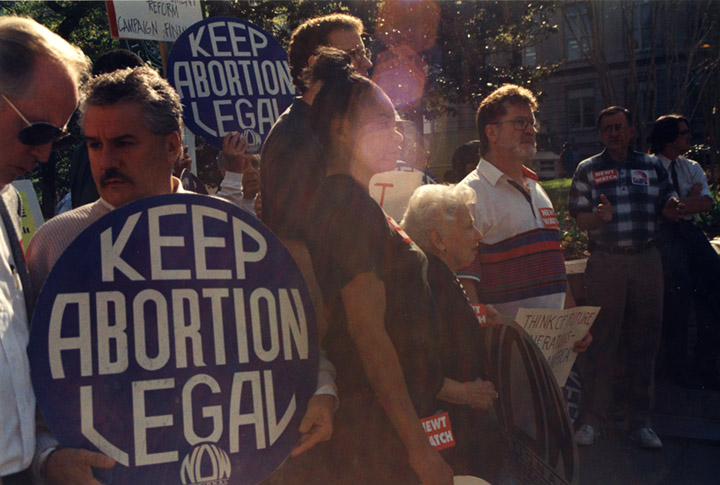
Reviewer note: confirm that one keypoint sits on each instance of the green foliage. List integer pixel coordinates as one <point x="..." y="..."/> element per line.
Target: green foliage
<point x="84" y="24"/>
<point x="572" y="239"/>
<point x="280" y="18"/>
<point x="557" y="190"/>
<point x="478" y="47"/>
<point x="710" y="221"/>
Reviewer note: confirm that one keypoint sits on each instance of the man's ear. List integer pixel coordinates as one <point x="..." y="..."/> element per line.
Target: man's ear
<point x="173" y="143"/>
<point x="490" y="133"/>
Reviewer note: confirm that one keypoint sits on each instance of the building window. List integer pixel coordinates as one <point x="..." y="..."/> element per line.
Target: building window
<point x="577" y="29"/>
<point x="581" y="109"/>
<point x="642" y="26"/>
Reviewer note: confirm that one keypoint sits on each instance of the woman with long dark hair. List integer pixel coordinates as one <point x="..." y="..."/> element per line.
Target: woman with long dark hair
<point x="381" y="316"/>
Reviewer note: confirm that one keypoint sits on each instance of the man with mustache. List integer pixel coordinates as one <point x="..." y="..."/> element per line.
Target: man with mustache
<point x="39" y="77"/>
<point x="132" y="120"/>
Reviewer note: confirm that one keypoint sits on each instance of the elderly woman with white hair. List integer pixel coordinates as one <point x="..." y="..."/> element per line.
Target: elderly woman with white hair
<point x="438" y="220"/>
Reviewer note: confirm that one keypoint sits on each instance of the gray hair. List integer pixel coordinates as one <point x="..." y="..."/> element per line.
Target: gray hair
<point x="160" y="103"/>
<point x="434" y="207"/>
<point x="22" y="42"/>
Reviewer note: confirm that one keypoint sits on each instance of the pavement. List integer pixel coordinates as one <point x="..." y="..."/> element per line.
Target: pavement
<point x="687" y="421"/>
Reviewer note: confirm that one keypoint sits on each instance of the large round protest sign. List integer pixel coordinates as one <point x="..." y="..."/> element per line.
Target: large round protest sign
<point x="176" y="336"/>
<point x="539" y="441"/>
<point x="231" y="76"/>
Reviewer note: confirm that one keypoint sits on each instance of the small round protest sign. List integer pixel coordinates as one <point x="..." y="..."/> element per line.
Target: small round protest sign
<point x="176" y="336"/>
<point x="231" y="76"/>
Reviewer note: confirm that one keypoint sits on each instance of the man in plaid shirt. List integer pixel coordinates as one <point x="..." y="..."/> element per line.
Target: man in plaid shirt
<point x="618" y="196"/>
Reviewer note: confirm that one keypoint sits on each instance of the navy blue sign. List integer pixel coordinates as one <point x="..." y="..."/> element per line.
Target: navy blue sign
<point x="231" y="76"/>
<point x="176" y="336"/>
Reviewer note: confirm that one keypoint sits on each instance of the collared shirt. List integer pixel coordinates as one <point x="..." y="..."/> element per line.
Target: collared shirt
<point x="689" y="173"/>
<point x="17" y="401"/>
<point x="519" y="262"/>
<point x="637" y="189"/>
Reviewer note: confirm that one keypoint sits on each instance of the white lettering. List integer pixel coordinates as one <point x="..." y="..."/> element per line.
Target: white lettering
<point x="107" y="333"/>
<point x="212" y="412"/>
<point x="215" y="295"/>
<point x="87" y="428"/>
<point x="57" y="343"/>
<point x="256" y="418"/>
<point x="187" y="332"/>
<point x="202" y="242"/>
<point x="142" y="422"/>
<point x="258" y="295"/>
<point x="216" y="38"/>
<point x="275" y="428"/>
<point x="110" y="253"/>
<point x="163" y="334"/>
<point x="242" y="255"/>
<point x="294" y="329"/>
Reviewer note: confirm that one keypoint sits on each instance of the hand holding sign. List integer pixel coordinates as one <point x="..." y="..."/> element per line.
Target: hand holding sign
<point x="604" y="210"/>
<point x="70" y="465"/>
<point x="480" y="393"/>
<point x="317" y="423"/>
<point x="234" y="146"/>
<point x="492" y="316"/>
<point x="583" y="344"/>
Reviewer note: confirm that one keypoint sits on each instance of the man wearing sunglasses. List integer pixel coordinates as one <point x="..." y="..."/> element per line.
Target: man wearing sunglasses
<point x="39" y="76"/>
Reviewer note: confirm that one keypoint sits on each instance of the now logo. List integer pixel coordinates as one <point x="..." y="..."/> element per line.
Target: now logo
<point x="206" y="463"/>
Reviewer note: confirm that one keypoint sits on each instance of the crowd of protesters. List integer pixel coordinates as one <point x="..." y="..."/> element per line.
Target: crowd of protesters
<point x="399" y="337"/>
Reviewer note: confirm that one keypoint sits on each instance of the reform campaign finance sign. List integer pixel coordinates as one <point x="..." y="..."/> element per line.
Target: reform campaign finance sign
<point x="231" y="76"/>
<point x="176" y="336"/>
<point x="162" y="20"/>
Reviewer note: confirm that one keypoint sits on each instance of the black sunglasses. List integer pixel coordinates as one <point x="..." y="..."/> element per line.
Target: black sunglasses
<point x="41" y="132"/>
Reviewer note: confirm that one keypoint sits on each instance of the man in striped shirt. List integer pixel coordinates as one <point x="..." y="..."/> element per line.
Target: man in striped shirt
<point x="519" y="262"/>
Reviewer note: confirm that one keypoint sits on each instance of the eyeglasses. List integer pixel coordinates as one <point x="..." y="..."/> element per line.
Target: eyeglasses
<point x="357" y="53"/>
<point x="41" y="132"/>
<point x="607" y="129"/>
<point x="520" y="123"/>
